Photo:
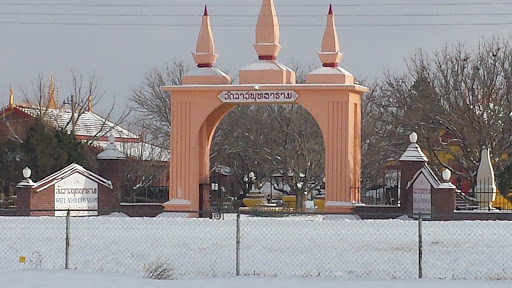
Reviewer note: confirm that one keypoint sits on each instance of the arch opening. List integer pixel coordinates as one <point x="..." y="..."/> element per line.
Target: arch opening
<point x="282" y="146"/>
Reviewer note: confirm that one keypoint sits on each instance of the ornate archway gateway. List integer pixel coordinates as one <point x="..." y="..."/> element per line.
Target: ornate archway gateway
<point x="206" y="95"/>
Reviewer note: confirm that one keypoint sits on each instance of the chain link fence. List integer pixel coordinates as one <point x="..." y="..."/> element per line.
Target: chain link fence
<point x="269" y="244"/>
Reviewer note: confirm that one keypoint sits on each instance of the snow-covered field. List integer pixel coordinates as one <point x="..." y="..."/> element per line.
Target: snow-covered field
<point x="307" y="247"/>
<point x="81" y="279"/>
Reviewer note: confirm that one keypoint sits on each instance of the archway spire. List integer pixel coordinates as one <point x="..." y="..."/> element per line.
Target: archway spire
<point x="205" y="57"/>
<point x="330" y="54"/>
<point x="267" y="32"/>
<point x="205" y="49"/>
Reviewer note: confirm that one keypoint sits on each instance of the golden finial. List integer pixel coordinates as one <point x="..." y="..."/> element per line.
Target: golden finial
<point x="11" y="97"/>
<point x="51" y="94"/>
<point x="89" y="104"/>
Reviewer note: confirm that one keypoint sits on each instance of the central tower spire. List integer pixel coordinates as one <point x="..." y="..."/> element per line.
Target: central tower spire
<point x="267" y="70"/>
<point x="267" y="32"/>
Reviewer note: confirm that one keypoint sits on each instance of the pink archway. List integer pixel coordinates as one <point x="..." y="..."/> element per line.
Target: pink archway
<point x="206" y="95"/>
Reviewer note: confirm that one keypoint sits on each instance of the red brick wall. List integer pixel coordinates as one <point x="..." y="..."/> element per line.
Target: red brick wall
<point x="106" y="200"/>
<point x="443" y="203"/>
<point x="114" y="170"/>
<point x="407" y="170"/>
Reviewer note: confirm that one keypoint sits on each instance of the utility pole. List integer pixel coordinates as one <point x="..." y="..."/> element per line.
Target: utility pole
<point x="73" y="114"/>
<point x="72" y="103"/>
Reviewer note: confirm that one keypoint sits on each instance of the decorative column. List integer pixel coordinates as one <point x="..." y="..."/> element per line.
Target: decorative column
<point x="189" y="143"/>
<point x="443" y="198"/>
<point x="24" y="193"/>
<point x="267" y="70"/>
<point x="112" y="164"/>
<point x="343" y="129"/>
<point x="485" y="189"/>
<point x="411" y="161"/>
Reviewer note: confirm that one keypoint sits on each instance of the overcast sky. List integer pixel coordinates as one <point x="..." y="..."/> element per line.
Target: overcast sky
<point x="119" y="41"/>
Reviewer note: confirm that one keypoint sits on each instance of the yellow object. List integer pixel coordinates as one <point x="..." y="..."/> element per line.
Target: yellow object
<point x="251" y="202"/>
<point x="22" y="259"/>
<point x="320" y="203"/>
<point x="501" y="202"/>
<point x="289" y="201"/>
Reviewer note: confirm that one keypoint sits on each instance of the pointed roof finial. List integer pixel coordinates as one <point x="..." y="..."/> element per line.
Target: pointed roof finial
<point x="51" y="94"/>
<point x="89" y="104"/>
<point x="11" y="97"/>
<point x="205" y="49"/>
<point x="267" y="32"/>
<point x="413" y="152"/>
<point x="330" y="54"/>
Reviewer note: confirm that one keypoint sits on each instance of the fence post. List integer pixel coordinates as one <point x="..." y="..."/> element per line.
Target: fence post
<point x="420" y="247"/>
<point x="68" y="220"/>
<point x="238" y="243"/>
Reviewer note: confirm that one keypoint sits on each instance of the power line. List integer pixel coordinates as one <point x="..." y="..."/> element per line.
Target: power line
<point x="258" y="5"/>
<point x="250" y="15"/>
<point x="248" y="25"/>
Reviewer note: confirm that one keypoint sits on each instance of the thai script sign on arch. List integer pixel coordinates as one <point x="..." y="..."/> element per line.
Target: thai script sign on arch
<point x="258" y="96"/>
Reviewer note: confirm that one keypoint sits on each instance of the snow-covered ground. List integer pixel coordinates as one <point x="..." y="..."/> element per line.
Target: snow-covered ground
<point x="274" y="252"/>
<point x="80" y="279"/>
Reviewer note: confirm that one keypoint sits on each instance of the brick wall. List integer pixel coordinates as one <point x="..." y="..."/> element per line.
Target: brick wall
<point x="29" y="199"/>
<point x="443" y="203"/>
<point x="407" y="170"/>
<point x="114" y="170"/>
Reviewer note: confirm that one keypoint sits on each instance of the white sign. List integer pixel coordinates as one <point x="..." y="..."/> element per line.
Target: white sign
<point x="76" y="192"/>
<point x="422" y="196"/>
<point x="258" y="96"/>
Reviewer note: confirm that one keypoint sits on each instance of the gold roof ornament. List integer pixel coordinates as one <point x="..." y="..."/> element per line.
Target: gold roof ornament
<point x="51" y="94"/>
<point x="11" y="98"/>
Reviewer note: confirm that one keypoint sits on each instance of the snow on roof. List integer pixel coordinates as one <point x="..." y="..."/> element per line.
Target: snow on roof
<point x="429" y="175"/>
<point x="208" y="71"/>
<point x="330" y="70"/>
<point x="139" y="150"/>
<point x="88" y="124"/>
<point x="68" y="171"/>
<point x="413" y="152"/>
<point x="92" y="125"/>
<point x="111" y="152"/>
<point x="265" y="65"/>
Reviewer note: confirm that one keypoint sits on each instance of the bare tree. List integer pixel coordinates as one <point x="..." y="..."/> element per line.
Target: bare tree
<point x="457" y="100"/>
<point x="153" y="105"/>
<point x="269" y="139"/>
<point x="85" y="93"/>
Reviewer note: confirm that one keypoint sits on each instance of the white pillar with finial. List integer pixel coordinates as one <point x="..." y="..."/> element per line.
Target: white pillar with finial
<point x="27" y="181"/>
<point x="485" y="189"/>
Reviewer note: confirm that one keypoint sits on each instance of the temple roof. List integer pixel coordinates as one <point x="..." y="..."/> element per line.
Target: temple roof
<point x="88" y="124"/>
<point x="95" y="128"/>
